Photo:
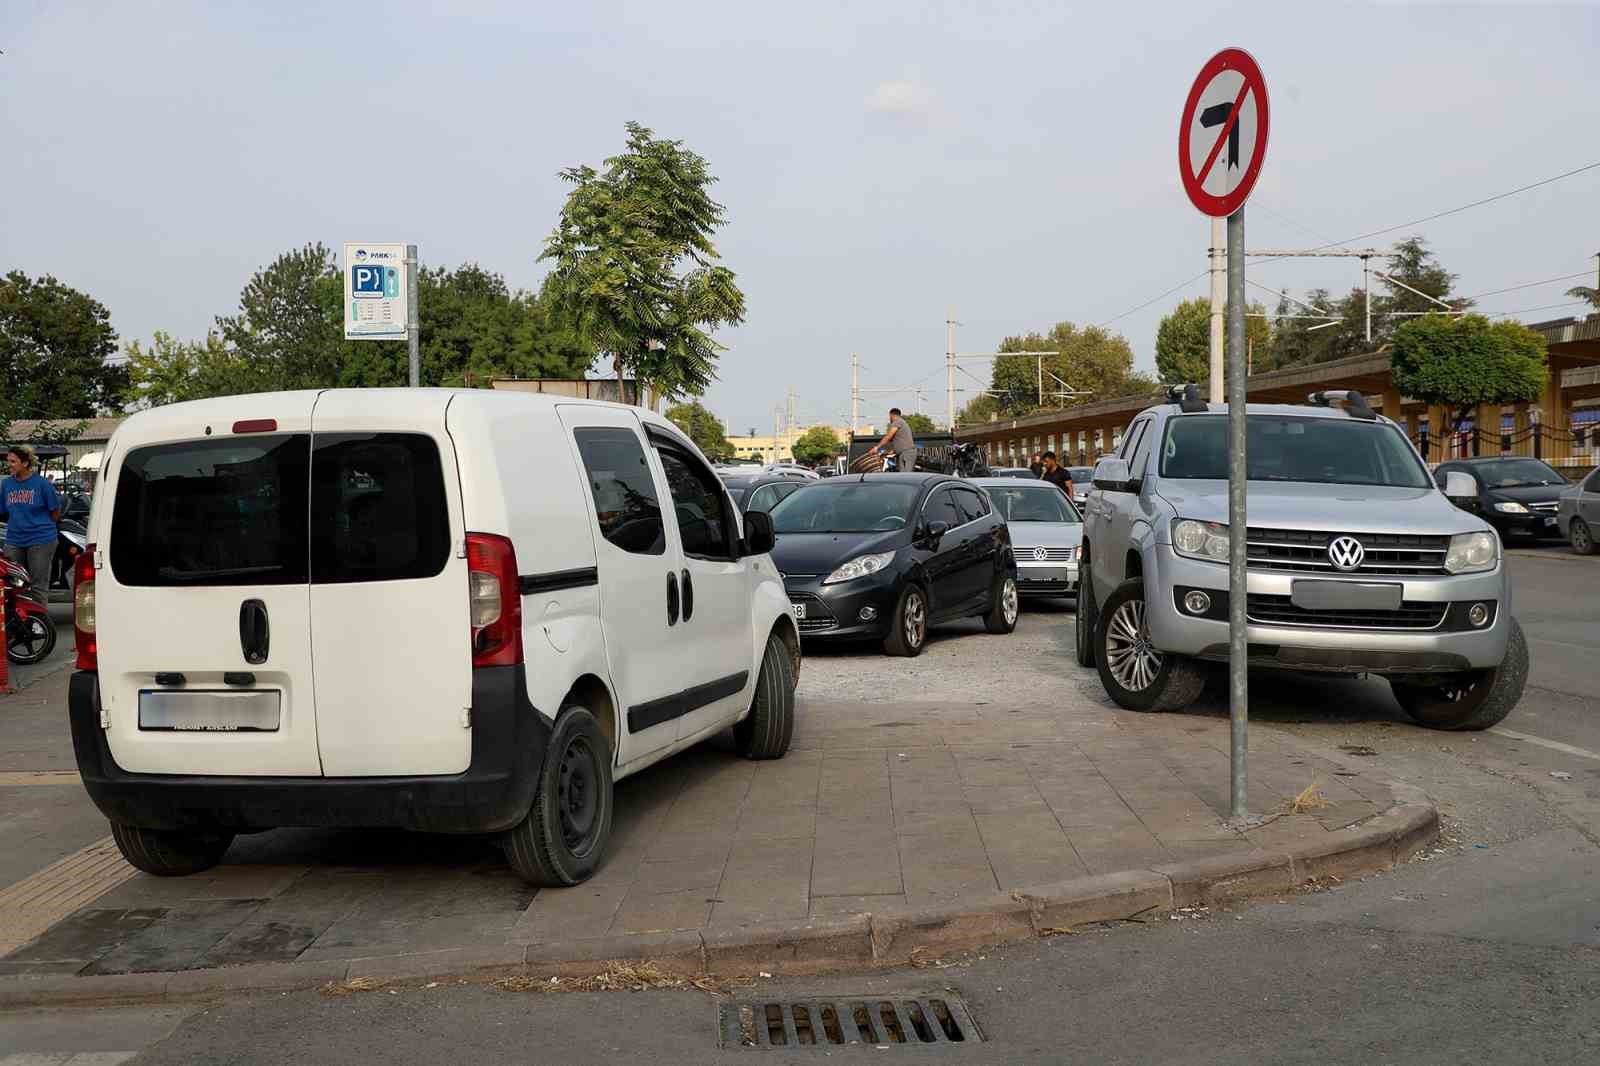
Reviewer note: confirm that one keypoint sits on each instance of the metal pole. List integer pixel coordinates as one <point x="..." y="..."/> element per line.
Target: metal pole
<point x="855" y="394"/>
<point x="413" y="327"/>
<point x="1366" y="293"/>
<point x="1219" y="299"/>
<point x="1041" y="380"/>
<point x="950" y="369"/>
<point x="1238" y="651"/>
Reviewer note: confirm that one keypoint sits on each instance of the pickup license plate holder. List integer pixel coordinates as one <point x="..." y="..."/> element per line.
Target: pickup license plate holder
<point x="1346" y="595"/>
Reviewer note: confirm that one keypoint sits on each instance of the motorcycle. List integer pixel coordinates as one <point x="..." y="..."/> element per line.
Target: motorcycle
<point x="72" y="537"/>
<point x="30" y="631"/>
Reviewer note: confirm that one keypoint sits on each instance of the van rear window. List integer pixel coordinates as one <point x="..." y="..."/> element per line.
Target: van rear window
<point x="264" y="511"/>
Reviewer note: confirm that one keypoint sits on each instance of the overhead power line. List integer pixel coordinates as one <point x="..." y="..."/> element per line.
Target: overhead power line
<point x="1531" y="285"/>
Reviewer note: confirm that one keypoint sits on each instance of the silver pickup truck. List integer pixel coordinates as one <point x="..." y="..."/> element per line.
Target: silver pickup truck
<point x="1357" y="562"/>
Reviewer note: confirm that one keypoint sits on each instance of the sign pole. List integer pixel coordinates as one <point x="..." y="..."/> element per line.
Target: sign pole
<point x="1219" y="301"/>
<point x="413" y="326"/>
<point x="1238" y="646"/>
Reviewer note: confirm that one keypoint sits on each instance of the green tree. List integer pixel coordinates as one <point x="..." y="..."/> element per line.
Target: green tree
<point x="1183" y="340"/>
<point x="920" y="423"/>
<point x="623" y="237"/>
<point x="819" y="444"/>
<point x="703" y="427"/>
<point x="283" y="330"/>
<point x="1462" y="362"/>
<point x="981" y="408"/>
<point x="1588" y="293"/>
<point x="1089" y="359"/>
<point x="54" y="342"/>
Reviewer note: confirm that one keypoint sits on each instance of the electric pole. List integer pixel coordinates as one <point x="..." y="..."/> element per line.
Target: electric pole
<point x="950" y="370"/>
<point x="855" y="393"/>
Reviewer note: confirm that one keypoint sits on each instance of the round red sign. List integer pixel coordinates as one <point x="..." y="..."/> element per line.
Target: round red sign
<point x="1222" y="140"/>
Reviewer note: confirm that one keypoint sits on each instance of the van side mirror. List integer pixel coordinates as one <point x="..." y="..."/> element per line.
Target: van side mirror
<point x="932" y="533"/>
<point x="758" y="535"/>
<point x="1112" y="475"/>
<point x="1461" y="488"/>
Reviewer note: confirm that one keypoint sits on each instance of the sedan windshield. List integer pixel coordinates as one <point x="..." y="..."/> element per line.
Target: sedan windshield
<point x="1517" y="473"/>
<point x="1321" y="451"/>
<point x="856" y="507"/>
<point x="1033" y="505"/>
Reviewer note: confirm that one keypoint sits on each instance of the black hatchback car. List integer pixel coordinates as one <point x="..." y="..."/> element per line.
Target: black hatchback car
<point x="886" y="556"/>
<point x="1518" y="496"/>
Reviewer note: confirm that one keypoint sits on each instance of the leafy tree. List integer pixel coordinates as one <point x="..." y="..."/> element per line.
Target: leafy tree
<point x="703" y="427"/>
<point x="283" y="330"/>
<point x="1462" y="362"/>
<point x="624" y="235"/>
<point x="1183" y="340"/>
<point x="981" y="408"/>
<point x="920" y="423"/>
<point x="171" y="371"/>
<point x="54" y="341"/>
<point x="1586" y="292"/>
<point x="819" y="444"/>
<point x="1089" y="359"/>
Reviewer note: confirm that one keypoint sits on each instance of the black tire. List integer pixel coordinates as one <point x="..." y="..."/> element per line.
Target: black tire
<point x="1580" y="536"/>
<point x="168" y="853"/>
<point x="1005" y="604"/>
<point x="30" y="640"/>
<point x="564" y="836"/>
<point x="766" y="731"/>
<point x="908" y="630"/>
<point x="1085" y="615"/>
<point x="1475" y="700"/>
<point x="1155" y="680"/>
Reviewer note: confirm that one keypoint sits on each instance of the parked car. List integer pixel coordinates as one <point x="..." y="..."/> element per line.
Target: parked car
<point x="886" y="556"/>
<point x="761" y="492"/>
<point x="1358" y="563"/>
<point x="1579" y="514"/>
<point x="1518" y="497"/>
<point x="455" y="611"/>
<point x="1013" y="472"/>
<point x="1046" y="532"/>
<point x="791" y="470"/>
<point x="1082" y="481"/>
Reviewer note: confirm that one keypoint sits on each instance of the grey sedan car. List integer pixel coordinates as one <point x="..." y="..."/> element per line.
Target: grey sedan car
<point x="1046" y="531"/>
<point x="1578" y="513"/>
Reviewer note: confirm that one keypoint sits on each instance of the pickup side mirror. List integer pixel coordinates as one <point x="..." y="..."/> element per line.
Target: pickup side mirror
<point x="931" y="534"/>
<point x="758" y="535"/>
<point x="1112" y="475"/>
<point x="1461" y="488"/>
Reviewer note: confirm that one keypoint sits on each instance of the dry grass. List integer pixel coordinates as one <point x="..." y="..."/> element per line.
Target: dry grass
<point x="351" y="987"/>
<point x="621" y="977"/>
<point x="1309" y="799"/>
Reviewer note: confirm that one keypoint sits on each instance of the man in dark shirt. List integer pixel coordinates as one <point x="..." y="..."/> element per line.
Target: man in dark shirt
<point x="1057" y="475"/>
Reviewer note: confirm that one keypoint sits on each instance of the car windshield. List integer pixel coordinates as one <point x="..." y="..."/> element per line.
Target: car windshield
<point x="1517" y="473"/>
<point x="1033" y="505"/>
<point x="854" y="507"/>
<point x="1081" y="473"/>
<point x="1321" y="451"/>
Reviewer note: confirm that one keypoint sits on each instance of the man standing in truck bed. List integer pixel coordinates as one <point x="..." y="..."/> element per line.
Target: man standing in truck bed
<point x="898" y="442"/>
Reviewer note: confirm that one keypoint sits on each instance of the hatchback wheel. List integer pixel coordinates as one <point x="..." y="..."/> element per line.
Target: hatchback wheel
<point x="1581" y="537"/>
<point x="1136" y="674"/>
<point x="908" y="631"/>
<point x="1004" y="606"/>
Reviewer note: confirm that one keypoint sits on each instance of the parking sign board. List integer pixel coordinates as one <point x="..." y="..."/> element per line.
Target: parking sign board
<point x="375" y="292"/>
<point x="1222" y="138"/>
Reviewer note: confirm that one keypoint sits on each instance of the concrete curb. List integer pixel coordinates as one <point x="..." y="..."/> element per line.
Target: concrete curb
<point x="865" y="941"/>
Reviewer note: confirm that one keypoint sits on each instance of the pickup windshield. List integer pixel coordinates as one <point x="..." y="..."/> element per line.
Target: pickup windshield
<point x="1321" y="451"/>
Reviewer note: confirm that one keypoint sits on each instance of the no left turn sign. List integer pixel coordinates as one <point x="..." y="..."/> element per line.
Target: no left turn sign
<point x="1222" y="139"/>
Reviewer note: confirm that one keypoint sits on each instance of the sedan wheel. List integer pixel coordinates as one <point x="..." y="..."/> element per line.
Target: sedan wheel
<point x="1581" y="537"/>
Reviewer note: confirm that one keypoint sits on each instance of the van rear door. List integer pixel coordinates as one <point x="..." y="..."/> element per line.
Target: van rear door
<point x="390" y="629"/>
<point x="203" y="619"/>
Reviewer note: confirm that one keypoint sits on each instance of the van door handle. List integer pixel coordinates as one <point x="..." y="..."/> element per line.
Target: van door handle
<point x="255" y="633"/>
<point x="672" y="599"/>
<point x="688" y="596"/>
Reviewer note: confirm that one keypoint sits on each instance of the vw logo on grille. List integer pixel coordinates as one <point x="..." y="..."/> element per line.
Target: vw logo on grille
<point x="1346" y="553"/>
<point x="1041" y="554"/>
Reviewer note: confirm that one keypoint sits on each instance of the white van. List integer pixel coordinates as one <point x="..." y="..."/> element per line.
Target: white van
<point x="456" y="611"/>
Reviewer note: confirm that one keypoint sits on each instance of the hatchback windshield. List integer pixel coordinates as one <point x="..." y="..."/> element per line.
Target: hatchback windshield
<point x="1033" y="505"/>
<point x="1324" y="451"/>
<point x="855" y="507"/>
<point x="1517" y="473"/>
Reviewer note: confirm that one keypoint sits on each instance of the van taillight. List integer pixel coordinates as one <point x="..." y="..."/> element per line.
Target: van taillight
<point x="494" y="600"/>
<point x="83" y="610"/>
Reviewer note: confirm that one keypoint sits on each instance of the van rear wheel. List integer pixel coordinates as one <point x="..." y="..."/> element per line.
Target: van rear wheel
<point x="168" y="853"/>
<point x="564" y="836"/>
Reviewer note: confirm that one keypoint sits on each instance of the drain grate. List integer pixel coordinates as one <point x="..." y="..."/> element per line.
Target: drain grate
<point x="919" y="1021"/>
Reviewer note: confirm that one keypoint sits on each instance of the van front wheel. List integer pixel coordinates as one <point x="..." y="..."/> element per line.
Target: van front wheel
<point x="169" y="853"/>
<point x="564" y="836"/>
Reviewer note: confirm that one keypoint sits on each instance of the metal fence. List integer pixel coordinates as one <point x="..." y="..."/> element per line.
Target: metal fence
<point x="1577" y="448"/>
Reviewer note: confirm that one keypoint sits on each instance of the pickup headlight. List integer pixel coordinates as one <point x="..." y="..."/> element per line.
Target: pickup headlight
<point x="1510" y="507"/>
<point x="1471" y="553"/>
<point x="1201" y="540"/>
<point x="860" y="566"/>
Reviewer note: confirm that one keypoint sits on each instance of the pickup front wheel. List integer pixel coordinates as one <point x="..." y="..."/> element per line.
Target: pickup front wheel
<point x="1475" y="700"/>
<point x="1135" y="674"/>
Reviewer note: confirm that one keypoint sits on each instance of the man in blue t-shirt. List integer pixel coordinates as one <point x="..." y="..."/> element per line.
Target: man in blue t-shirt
<point x="30" y="508"/>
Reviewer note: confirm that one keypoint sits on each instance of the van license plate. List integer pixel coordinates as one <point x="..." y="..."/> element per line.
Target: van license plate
<point x="209" y="712"/>
<point x="799" y="610"/>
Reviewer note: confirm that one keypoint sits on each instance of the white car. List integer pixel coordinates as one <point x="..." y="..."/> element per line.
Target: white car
<point x="451" y="611"/>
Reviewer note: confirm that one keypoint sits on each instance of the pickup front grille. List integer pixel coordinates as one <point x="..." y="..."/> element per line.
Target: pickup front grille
<point x="1268" y="610"/>
<point x="1306" y="552"/>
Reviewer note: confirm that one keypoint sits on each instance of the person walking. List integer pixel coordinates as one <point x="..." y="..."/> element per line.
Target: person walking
<point x="898" y="442"/>
<point x="30" y="507"/>
<point x="1037" y="466"/>
<point x="1057" y="475"/>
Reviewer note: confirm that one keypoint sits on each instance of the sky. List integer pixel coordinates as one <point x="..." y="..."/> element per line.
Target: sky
<point x="881" y="163"/>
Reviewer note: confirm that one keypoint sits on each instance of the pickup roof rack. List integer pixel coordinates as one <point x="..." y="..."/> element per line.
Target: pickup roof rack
<point x="1187" y="397"/>
<point x="1354" y="403"/>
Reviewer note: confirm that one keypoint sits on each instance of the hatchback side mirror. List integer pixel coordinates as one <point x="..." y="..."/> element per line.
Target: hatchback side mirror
<point x="1461" y="488"/>
<point x="933" y="533"/>
<point x="1112" y="475"/>
<point x="758" y="535"/>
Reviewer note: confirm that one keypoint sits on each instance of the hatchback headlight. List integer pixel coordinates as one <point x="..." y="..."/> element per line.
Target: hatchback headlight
<point x="860" y="566"/>
<point x="1510" y="507"/>
<point x="1201" y="540"/>
<point x="1471" y="553"/>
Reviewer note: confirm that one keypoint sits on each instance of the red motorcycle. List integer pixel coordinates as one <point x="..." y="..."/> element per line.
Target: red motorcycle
<point x="30" y="631"/>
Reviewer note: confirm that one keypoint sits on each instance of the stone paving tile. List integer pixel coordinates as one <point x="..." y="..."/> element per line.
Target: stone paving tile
<point x="177" y="940"/>
<point x="579" y="912"/>
<point x="925" y="885"/>
<point x="678" y="876"/>
<point x="858" y="871"/>
<point x="641" y="913"/>
<point x="228" y="881"/>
